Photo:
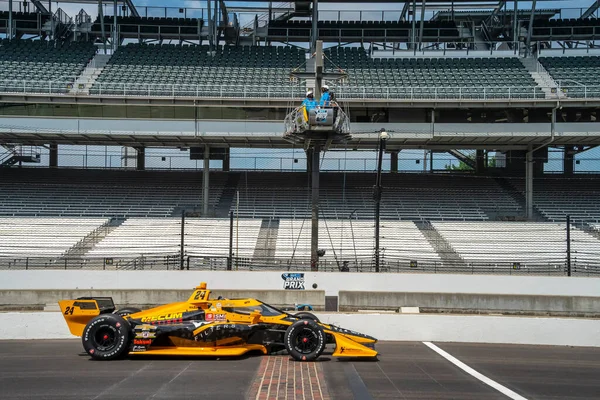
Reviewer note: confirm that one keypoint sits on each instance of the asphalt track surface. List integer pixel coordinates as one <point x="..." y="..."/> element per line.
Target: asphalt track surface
<point x="58" y="369"/>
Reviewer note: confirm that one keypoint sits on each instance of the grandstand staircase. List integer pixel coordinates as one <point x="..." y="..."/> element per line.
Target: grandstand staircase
<point x="519" y="198"/>
<point x="227" y="195"/>
<point x="19" y="154"/>
<point x="440" y="245"/>
<point x="542" y="77"/>
<point x="283" y="11"/>
<point x="86" y="244"/>
<point x="590" y="230"/>
<point x="90" y="74"/>
<point x="267" y="240"/>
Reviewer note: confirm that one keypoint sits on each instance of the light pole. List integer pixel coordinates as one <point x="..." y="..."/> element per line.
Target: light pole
<point x="383" y="136"/>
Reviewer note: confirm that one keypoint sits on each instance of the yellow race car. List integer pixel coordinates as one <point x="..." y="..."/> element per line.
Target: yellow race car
<point x="204" y="327"/>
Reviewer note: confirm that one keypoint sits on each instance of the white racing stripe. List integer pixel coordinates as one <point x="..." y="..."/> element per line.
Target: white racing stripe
<point x="502" y="389"/>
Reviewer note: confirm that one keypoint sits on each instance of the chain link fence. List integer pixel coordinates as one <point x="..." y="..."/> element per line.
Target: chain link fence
<point x="474" y="247"/>
<point x="221" y="263"/>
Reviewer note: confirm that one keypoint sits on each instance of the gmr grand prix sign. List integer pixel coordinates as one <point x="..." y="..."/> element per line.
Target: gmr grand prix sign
<point x="293" y="280"/>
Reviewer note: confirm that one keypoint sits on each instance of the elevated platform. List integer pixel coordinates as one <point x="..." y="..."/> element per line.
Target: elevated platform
<point x="323" y="126"/>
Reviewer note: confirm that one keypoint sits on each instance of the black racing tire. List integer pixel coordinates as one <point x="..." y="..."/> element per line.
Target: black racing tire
<point x="307" y="315"/>
<point x="305" y="340"/>
<point x="126" y="311"/>
<point x="106" y="337"/>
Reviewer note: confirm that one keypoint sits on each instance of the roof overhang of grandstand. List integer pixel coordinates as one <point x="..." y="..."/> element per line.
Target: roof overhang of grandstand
<point x="254" y="102"/>
<point x="255" y="134"/>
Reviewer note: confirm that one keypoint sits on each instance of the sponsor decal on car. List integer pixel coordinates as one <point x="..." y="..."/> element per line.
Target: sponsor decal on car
<point x="293" y="280"/>
<point x="142" y="342"/>
<point x="165" y="317"/>
<point x="216" y="317"/>
<point x="350" y="350"/>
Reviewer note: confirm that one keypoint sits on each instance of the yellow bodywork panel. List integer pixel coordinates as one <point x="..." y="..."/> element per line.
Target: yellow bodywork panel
<point x="171" y="311"/>
<point x="203" y="351"/>
<point x="346" y="347"/>
<point x="77" y="313"/>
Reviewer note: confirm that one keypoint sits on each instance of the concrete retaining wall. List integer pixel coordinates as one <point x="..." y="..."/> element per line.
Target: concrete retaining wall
<point x="330" y="282"/>
<point x="469" y="302"/>
<point x="37" y="299"/>
<point x="440" y="328"/>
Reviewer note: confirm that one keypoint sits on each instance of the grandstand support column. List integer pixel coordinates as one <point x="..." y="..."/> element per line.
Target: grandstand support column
<point x="479" y="161"/>
<point x="314" y="237"/>
<point x="394" y="161"/>
<point x="216" y="24"/>
<point x="182" y="242"/>
<point x="568" y="245"/>
<point x="515" y="26"/>
<point x="568" y="160"/>
<point x="227" y="160"/>
<point x="530" y="28"/>
<point x="10" y="20"/>
<point x="210" y="26"/>
<point x="529" y="182"/>
<point x="383" y="136"/>
<point x="101" y="17"/>
<point x="141" y="158"/>
<point x="53" y="156"/>
<point x="115" y="35"/>
<point x="315" y="20"/>
<point x="413" y="38"/>
<point x="422" y="23"/>
<point x="230" y="258"/>
<point x="205" y="177"/>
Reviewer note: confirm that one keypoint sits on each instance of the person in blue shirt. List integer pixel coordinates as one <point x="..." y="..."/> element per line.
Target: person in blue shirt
<point x="325" y="97"/>
<point x="309" y="102"/>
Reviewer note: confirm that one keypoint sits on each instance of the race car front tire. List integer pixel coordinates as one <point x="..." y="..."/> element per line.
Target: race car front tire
<point x="106" y="337"/>
<point x="306" y="315"/>
<point x="305" y="340"/>
<point x="126" y="311"/>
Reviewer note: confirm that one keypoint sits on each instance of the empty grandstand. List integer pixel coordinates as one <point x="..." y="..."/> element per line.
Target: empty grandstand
<point x="510" y="88"/>
<point x="37" y="66"/>
<point x="120" y="194"/>
<point x="432" y="77"/>
<point x="43" y="237"/>
<point x="141" y="69"/>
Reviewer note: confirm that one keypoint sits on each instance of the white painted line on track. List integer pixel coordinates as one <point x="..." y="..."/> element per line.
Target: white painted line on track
<point x="502" y="389"/>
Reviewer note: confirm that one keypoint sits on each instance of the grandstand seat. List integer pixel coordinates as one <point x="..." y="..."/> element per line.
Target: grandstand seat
<point x="46" y="237"/>
<point x="430" y="77"/>
<point x="189" y="70"/>
<point x="579" y="76"/>
<point x="39" y="66"/>
<point x="110" y="194"/>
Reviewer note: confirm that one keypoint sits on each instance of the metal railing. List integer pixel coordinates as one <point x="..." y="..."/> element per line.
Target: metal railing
<point x="264" y="18"/>
<point x="382" y="33"/>
<point x="361" y="265"/>
<point x="147" y="30"/>
<point x="343" y="93"/>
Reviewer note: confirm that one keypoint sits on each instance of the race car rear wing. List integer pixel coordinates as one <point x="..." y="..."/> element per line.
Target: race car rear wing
<point x="78" y="312"/>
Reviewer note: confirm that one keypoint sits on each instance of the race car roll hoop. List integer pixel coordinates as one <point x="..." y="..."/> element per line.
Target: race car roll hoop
<point x="316" y="130"/>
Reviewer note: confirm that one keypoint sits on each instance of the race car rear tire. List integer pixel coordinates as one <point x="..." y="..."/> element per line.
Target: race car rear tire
<point x="307" y="315"/>
<point x="106" y="337"/>
<point x="126" y="311"/>
<point x="305" y="340"/>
